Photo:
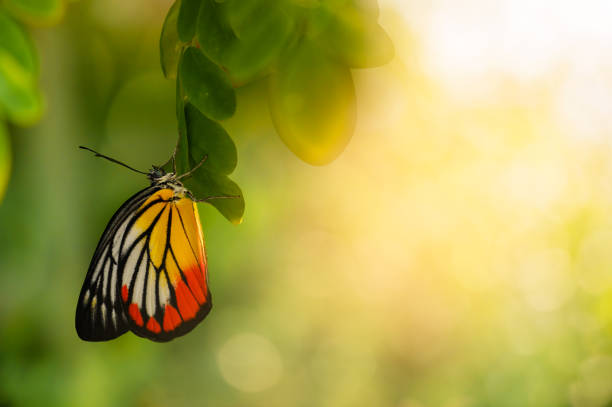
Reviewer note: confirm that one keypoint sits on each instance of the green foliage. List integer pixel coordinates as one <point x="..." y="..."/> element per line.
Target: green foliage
<point x="305" y="49"/>
<point x="187" y="19"/>
<point x="217" y="146"/>
<point x="201" y="138"/>
<point x="353" y="36"/>
<point x="19" y="95"/>
<point x="206" y="85"/>
<point x="20" y="98"/>
<point x="214" y="33"/>
<point x="261" y="32"/>
<point x="312" y="101"/>
<point x="15" y="42"/>
<point x="169" y="44"/>
<point x="36" y="11"/>
<point x="207" y="138"/>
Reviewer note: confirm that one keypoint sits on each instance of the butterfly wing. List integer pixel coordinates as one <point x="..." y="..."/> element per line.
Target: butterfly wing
<point x="164" y="285"/>
<point x="99" y="314"/>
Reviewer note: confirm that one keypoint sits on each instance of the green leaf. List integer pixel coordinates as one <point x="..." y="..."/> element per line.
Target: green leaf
<point x="262" y="33"/>
<point x="183" y="164"/>
<point x="199" y="137"/>
<point x="188" y="18"/>
<point x="36" y="11"/>
<point x="15" y="41"/>
<point x="5" y="159"/>
<point x="312" y="101"/>
<point x="209" y="138"/>
<point x="215" y="34"/>
<point x="353" y="35"/>
<point x="19" y="93"/>
<point x="169" y="44"/>
<point x="229" y="201"/>
<point x="206" y="86"/>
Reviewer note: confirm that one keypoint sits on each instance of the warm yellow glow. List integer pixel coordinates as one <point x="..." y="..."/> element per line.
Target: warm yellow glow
<point x="457" y="253"/>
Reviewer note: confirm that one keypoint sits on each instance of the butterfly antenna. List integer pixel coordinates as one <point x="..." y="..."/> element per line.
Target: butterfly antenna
<point x="187" y="174"/>
<point x="113" y="160"/>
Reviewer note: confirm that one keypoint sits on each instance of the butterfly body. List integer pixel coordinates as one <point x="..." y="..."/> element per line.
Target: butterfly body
<point x="149" y="271"/>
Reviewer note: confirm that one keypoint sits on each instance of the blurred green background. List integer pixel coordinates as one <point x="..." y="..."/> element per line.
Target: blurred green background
<point x="458" y="253"/>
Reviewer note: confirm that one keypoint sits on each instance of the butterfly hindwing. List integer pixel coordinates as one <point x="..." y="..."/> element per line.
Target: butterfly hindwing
<point x="164" y="287"/>
<point x="99" y="314"/>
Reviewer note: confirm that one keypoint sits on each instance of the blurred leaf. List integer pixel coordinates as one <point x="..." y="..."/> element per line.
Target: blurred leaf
<point x="367" y="7"/>
<point x="169" y="44"/>
<point x="312" y="101"/>
<point x="188" y="18"/>
<point x="36" y="11"/>
<point x="262" y="33"/>
<point x="204" y="184"/>
<point x="15" y="41"/>
<point x="18" y="93"/>
<point x="5" y="159"/>
<point x="209" y="138"/>
<point x="206" y="85"/>
<point x="355" y="37"/>
<point x="18" y="88"/>
<point x="214" y="32"/>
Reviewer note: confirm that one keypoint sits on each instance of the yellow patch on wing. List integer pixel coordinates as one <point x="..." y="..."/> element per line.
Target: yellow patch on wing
<point x="191" y="220"/>
<point x="157" y="244"/>
<point x="185" y="249"/>
<point x="147" y="218"/>
<point x="173" y="272"/>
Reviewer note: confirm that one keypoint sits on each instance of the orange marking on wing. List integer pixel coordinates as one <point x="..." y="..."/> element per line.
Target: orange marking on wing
<point x="135" y="314"/>
<point x="124" y="292"/>
<point x="171" y="318"/>
<point x="200" y="274"/>
<point x="153" y="325"/>
<point x="188" y="307"/>
<point x="195" y="284"/>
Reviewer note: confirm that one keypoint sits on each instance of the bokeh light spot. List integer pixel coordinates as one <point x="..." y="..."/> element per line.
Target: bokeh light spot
<point x="250" y="362"/>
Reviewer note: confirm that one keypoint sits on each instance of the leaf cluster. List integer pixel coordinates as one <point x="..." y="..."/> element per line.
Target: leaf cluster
<point x="305" y="49"/>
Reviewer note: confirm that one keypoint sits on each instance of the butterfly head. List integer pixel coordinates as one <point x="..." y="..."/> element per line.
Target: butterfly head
<point x="158" y="176"/>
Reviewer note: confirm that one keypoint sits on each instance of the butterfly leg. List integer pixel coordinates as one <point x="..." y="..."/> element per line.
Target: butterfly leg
<point x="191" y="171"/>
<point x="210" y="198"/>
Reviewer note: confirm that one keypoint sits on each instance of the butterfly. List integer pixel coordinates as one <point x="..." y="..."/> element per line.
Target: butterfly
<point x="148" y="273"/>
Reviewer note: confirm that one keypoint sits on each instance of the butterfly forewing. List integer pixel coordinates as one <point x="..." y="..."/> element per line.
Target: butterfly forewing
<point x="163" y="287"/>
<point x="99" y="314"/>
